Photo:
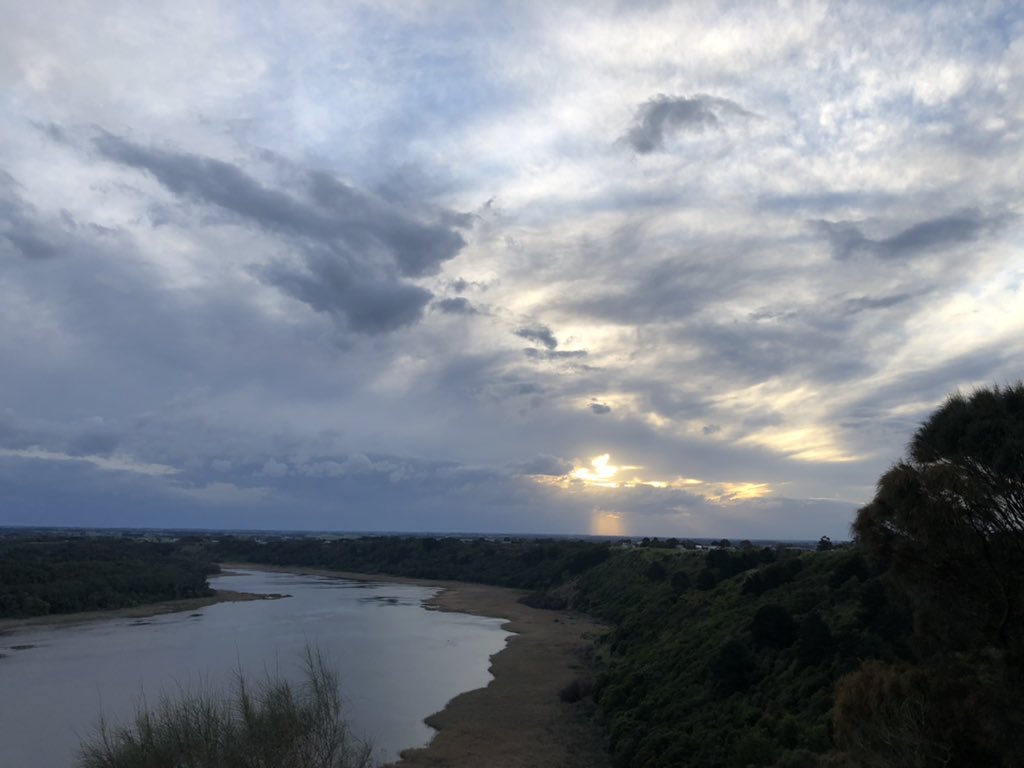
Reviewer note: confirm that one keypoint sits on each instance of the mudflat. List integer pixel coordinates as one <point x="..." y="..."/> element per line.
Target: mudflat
<point x="8" y="626"/>
<point x="518" y="720"/>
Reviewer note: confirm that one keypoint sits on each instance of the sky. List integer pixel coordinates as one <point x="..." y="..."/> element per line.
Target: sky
<point x="643" y="268"/>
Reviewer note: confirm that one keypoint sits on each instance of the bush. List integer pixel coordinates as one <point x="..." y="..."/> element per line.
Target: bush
<point x="773" y="627"/>
<point x="275" y="725"/>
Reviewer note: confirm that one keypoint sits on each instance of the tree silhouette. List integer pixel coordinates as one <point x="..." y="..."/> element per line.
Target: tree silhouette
<point x="949" y="520"/>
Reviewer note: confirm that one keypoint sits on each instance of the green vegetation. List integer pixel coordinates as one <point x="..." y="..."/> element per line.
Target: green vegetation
<point x="526" y="564"/>
<point x="271" y="725"/>
<point x="41" y="575"/>
<point x="948" y="522"/>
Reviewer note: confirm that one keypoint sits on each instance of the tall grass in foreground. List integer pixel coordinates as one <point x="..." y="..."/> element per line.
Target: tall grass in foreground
<point x="273" y="724"/>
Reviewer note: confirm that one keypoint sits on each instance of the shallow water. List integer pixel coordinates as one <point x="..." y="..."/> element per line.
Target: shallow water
<point x="398" y="662"/>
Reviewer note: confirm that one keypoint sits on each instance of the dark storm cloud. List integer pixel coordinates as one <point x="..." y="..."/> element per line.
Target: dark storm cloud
<point x="539" y="333"/>
<point x="456" y="306"/>
<point x="600" y="408"/>
<point x="847" y="238"/>
<point x="356" y="247"/>
<point x="663" y="114"/>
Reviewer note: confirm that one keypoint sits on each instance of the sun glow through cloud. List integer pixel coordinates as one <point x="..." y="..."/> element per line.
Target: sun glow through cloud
<point x="602" y="476"/>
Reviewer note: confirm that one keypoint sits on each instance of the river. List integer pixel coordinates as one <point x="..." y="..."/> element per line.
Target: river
<point x="398" y="661"/>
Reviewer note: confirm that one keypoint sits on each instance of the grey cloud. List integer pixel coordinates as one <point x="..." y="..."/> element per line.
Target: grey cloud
<point x="559" y="354"/>
<point x="546" y="464"/>
<point x="863" y="303"/>
<point x="710" y="429"/>
<point x="274" y="468"/>
<point x="456" y="306"/>
<point x="670" y="288"/>
<point x="25" y="232"/>
<point x="818" y="348"/>
<point x="664" y="114"/>
<point x="365" y="303"/>
<point x="847" y="238"/>
<point x="94" y="442"/>
<point x="356" y="464"/>
<point x="539" y="333"/>
<point x="600" y="408"/>
<point x="356" y="247"/>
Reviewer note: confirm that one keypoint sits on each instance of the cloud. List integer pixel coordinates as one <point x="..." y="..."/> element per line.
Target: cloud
<point x="360" y="300"/>
<point x="355" y="247"/>
<point x="116" y="463"/>
<point x="218" y="494"/>
<point x="600" y="408"/>
<point x="456" y="306"/>
<point x="866" y="303"/>
<point x="554" y="354"/>
<point x="27" y="234"/>
<point x="848" y="239"/>
<point x="710" y="429"/>
<point x="539" y="333"/>
<point x="274" y="468"/>
<point x="356" y="464"/>
<point x="662" y="115"/>
<point x="547" y="465"/>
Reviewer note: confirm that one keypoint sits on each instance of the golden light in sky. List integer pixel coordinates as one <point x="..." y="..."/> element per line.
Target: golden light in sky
<point x="605" y="523"/>
<point x="602" y="475"/>
<point x="600" y="472"/>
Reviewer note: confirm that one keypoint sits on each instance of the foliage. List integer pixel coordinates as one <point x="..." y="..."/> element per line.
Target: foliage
<point x="40" y="575"/>
<point x="686" y="680"/>
<point x="949" y="521"/>
<point x="271" y="725"/>
<point x="947" y="525"/>
<point x="773" y="627"/>
<point x="524" y="563"/>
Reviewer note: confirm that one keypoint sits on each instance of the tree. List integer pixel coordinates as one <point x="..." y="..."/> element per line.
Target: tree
<point x="824" y="544"/>
<point x="949" y="520"/>
<point x="773" y="627"/>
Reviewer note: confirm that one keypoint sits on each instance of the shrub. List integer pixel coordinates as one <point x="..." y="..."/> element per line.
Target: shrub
<point x="273" y="725"/>
<point x="773" y="627"/>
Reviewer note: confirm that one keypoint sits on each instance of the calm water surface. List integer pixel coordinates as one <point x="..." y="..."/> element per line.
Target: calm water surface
<point x="398" y="662"/>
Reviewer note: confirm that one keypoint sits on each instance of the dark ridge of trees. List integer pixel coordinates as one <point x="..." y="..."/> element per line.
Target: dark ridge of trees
<point x="46" y="574"/>
<point x="537" y="564"/>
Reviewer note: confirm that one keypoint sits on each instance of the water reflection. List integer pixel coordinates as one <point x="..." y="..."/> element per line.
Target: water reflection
<point x="398" y="663"/>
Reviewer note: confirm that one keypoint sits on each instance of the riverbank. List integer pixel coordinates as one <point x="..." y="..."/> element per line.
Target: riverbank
<point x="9" y="626"/>
<point x="518" y="719"/>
